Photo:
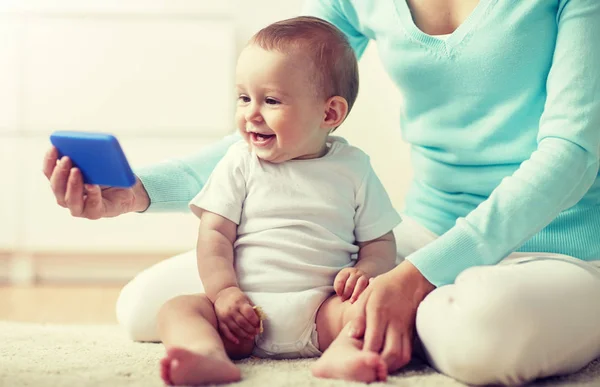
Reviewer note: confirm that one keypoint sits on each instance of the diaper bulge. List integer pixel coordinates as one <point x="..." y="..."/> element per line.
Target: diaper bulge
<point x="289" y="324"/>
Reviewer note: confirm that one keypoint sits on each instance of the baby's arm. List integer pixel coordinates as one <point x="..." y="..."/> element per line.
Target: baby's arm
<point x="377" y="256"/>
<point x="215" y="253"/>
<point x="374" y="257"/>
<point x="236" y="317"/>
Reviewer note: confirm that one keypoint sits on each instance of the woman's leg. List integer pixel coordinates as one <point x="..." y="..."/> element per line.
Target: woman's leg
<point x="514" y="322"/>
<point x="522" y="319"/>
<point x="141" y="299"/>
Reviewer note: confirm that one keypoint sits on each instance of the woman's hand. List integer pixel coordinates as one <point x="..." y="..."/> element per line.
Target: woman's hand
<point x="390" y="305"/>
<point x="90" y="201"/>
<point x="236" y="317"/>
<point x="349" y="283"/>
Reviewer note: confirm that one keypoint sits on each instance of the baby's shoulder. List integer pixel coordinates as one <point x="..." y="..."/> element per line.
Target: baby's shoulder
<point x="239" y="148"/>
<point x="238" y="152"/>
<point x="351" y="156"/>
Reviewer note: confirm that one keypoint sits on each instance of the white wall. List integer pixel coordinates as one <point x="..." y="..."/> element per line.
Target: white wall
<point x="157" y="73"/>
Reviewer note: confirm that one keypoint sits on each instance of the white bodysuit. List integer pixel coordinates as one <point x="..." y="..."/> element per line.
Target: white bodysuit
<point x="298" y="225"/>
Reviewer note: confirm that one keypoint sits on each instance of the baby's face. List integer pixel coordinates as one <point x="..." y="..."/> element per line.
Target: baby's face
<point x="278" y="110"/>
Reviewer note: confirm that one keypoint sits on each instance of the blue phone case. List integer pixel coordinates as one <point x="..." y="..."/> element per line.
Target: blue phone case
<point x="98" y="155"/>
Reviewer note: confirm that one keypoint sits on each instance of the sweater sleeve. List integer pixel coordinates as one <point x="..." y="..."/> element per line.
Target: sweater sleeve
<point x="171" y="184"/>
<point x="558" y="173"/>
<point x="341" y="14"/>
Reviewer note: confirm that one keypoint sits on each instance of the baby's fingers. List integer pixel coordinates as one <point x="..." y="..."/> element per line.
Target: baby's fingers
<point x="350" y="285"/>
<point x="236" y="329"/>
<point x="246" y="330"/>
<point x="227" y="333"/>
<point x="360" y="286"/>
<point x="340" y="282"/>
<point x="250" y="314"/>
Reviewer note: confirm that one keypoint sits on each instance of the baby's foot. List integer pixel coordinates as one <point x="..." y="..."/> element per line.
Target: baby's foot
<point x="344" y="359"/>
<point x="183" y="367"/>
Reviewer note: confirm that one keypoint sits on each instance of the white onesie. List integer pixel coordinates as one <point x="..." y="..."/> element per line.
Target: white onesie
<point x="298" y="225"/>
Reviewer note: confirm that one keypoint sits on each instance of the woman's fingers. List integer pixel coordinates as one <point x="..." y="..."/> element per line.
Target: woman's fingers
<point x="356" y="327"/>
<point x="376" y="327"/>
<point x="93" y="202"/>
<point x="393" y="352"/>
<point x="407" y="348"/>
<point x="74" y="193"/>
<point x="68" y="187"/>
<point x="58" y="180"/>
<point x="50" y="159"/>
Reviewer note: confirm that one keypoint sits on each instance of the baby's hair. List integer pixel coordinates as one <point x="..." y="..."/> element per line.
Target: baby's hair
<point x="330" y="51"/>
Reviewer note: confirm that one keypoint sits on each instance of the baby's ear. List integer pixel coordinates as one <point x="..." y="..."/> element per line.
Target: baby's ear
<point x="336" y="110"/>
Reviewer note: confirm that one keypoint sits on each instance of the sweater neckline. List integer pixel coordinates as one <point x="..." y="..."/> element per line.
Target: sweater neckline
<point x="453" y="39"/>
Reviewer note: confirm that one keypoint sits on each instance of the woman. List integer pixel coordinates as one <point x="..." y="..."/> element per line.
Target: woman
<point x="502" y="221"/>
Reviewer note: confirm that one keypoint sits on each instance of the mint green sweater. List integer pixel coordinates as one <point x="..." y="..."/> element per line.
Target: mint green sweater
<point x="503" y="120"/>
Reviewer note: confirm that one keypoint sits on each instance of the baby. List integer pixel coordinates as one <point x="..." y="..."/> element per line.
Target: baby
<point x="293" y="221"/>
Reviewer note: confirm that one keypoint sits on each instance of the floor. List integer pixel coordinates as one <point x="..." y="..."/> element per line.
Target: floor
<point x="59" y="304"/>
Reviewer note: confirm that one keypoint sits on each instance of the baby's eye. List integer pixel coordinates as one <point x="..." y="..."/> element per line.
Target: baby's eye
<point x="271" y="101"/>
<point x="244" y="98"/>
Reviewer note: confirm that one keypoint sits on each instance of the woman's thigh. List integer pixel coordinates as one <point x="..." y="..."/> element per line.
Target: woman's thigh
<point x="525" y="318"/>
<point x="141" y="299"/>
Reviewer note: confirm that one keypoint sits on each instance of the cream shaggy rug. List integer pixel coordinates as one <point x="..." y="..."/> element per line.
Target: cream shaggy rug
<point x="76" y="355"/>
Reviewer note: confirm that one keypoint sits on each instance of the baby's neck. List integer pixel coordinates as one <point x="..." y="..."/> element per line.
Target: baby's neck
<point x="322" y="152"/>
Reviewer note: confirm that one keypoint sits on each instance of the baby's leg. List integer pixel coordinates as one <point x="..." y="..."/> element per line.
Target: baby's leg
<point x="343" y="357"/>
<point x="196" y="354"/>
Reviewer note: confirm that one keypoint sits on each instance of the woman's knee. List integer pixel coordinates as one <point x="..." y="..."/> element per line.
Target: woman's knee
<point x="140" y="300"/>
<point x="476" y="332"/>
<point x="134" y="315"/>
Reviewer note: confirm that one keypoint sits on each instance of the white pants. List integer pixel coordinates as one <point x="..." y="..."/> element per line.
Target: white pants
<point x="530" y="316"/>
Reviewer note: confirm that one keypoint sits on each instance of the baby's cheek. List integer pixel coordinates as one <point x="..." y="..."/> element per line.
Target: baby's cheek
<point x="240" y="121"/>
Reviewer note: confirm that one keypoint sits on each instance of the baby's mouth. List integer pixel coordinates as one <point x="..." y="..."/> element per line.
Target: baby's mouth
<point x="261" y="139"/>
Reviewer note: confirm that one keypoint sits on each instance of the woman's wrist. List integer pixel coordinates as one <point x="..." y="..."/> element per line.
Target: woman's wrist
<point x="409" y="273"/>
<point x="141" y="197"/>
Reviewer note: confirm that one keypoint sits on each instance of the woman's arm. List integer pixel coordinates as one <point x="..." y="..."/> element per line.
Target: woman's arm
<point x="341" y="14"/>
<point x="557" y="174"/>
<point x="170" y="185"/>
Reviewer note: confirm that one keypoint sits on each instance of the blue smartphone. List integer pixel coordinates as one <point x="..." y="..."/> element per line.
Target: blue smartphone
<point x="98" y="156"/>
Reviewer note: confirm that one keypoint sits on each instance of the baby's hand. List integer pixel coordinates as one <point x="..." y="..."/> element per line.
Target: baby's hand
<point x="235" y="316"/>
<point x="350" y="282"/>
